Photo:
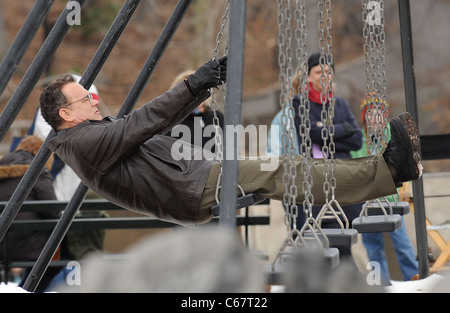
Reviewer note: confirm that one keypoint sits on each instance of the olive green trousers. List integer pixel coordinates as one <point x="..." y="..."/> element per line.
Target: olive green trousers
<point x="357" y="180"/>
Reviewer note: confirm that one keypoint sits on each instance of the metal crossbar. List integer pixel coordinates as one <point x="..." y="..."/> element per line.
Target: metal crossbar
<point x="56" y="205"/>
<point x="84" y="223"/>
<point x="138" y="222"/>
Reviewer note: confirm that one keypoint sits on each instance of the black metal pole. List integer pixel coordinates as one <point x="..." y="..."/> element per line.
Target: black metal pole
<point x="23" y="39"/>
<point x="26" y="184"/>
<point x="235" y="73"/>
<point x="75" y="202"/>
<point x="73" y="206"/>
<point x="411" y="106"/>
<point x="35" y="70"/>
<point x="108" y="43"/>
<point x="154" y="57"/>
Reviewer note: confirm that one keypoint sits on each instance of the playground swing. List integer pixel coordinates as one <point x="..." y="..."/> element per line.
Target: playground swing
<point x="310" y="234"/>
<point x="342" y="236"/>
<point x="374" y="52"/>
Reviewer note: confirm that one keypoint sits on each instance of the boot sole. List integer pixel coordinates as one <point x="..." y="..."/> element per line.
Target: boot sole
<point x="408" y="128"/>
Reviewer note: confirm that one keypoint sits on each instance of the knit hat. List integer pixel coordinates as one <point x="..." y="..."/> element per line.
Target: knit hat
<point x="314" y="59"/>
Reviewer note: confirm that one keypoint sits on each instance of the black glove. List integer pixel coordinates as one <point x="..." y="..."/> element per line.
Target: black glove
<point x="348" y="129"/>
<point x="211" y="74"/>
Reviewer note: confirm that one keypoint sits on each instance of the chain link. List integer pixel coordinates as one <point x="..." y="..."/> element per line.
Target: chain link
<point x="304" y="109"/>
<point x="375" y="76"/>
<point x="327" y="97"/>
<point x="287" y="116"/>
<point x="332" y="208"/>
<point x="376" y="84"/>
<point x="214" y="104"/>
<point x="286" y="18"/>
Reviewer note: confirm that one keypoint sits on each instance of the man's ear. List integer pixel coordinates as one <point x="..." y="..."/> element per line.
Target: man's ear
<point x="65" y="115"/>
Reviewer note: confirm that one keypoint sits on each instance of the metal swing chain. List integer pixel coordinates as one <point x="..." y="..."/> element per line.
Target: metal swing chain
<point x="283" y="98"/>
<point x="327" y="133"/>
<point x="218" y="131"/>
<point x="376" y="84"/>
<point x="311" y="226"/>
<point x="219" y="37"/>
<point x="287" y="124"/>
<point x="290" y="186"/>
<point x="287" y="115"/>
<point x="304" y="109"/>
<point x="327" y="115"/>
<point x="304" y="132"/>
<point x="285" y="36"/>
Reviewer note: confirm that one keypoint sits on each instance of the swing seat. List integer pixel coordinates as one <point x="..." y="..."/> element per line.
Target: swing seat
<point x="274" y="273"/>
<point x="377" y="223"/>
<point x="338" y="237"/>
<point x="400" y="208"/>
<point x="241" y="202"/>
<point x="331" y="256"/>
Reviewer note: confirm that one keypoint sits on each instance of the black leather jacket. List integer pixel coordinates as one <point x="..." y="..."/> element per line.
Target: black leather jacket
<point x="128" y="162"/>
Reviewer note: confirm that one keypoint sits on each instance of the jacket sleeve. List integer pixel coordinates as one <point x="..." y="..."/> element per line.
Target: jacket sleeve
<point x="103" y="146"/>
<point x="347" y="134"/>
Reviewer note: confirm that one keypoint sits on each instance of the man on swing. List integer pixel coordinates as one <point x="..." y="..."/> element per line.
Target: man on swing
<point x="129" y="161"/>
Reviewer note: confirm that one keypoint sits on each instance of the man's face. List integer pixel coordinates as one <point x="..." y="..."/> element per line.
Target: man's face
<point x="315" y="77"/>
<point x="80" y="105"/>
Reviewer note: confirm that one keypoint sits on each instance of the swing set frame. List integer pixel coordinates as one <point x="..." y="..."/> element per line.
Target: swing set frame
<point x="232" y="111"/>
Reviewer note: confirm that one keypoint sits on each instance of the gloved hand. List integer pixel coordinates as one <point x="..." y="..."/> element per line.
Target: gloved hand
<point x="211" y="74"/>
<point x="348" y="129"/>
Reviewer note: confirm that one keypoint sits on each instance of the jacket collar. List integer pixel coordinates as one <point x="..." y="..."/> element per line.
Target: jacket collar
<point x="62" y="134"/>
